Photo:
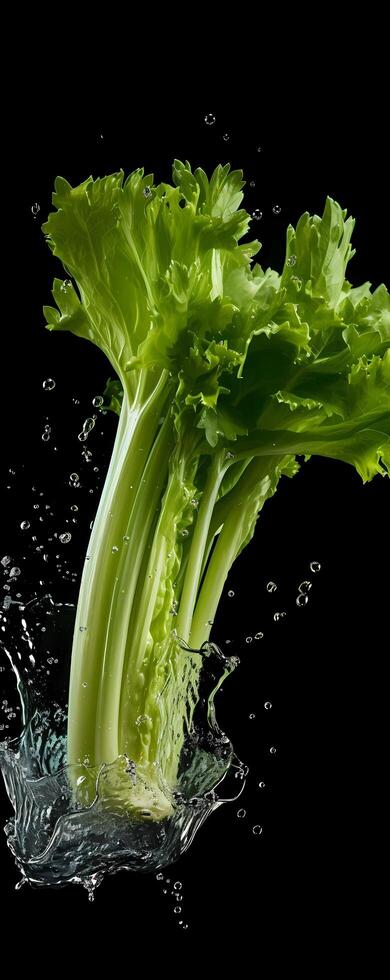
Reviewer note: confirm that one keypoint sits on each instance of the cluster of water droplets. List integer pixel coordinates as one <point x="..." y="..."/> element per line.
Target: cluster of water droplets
<point x="174" y="892"/>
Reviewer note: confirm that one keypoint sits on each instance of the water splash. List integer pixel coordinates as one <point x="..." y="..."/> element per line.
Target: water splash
<point x="56" y="838"/>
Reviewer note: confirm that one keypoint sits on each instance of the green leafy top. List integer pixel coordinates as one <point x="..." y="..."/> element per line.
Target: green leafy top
<point x="259" y="362"/>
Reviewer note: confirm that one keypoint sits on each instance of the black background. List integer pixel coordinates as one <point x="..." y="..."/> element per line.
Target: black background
<point x="303" y="882"/>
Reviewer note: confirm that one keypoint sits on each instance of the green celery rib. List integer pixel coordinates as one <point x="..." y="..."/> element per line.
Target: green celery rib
<point x="136" y="431"/>
<point x="246" y="501"/>
<point x="141" y="519"/>
<point x="217" y="470"/>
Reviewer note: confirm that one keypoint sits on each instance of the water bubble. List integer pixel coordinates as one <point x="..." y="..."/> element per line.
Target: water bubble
<point x="292" y="260"/>
<point x="14" y="572"/>
<point x="241" y="814"/>
<point x="252" y="716"/>
<point x="177" y="909"/>
<point x="271" y="587"/>
<point x="83" y="629"/>
<point x="230" y="593"/>
<point x="276" y="209"/>
<point x="160" y="877"/>
<point x="65" y="537"/>
<point x="35" y="208"/>
<point x="257" y="214"/>
<point x="65" y="285"/>
<point x="194" y="502"/>
<point x="305" y="587"/>
<point x="46" y="433"/>
<point x="114" y="549"/>
<point x="7" y="602"/>
<point x="315" y="566"/>
<point x="49" y="384"/>
<point x="259" y="636"/>
<point x="74" y="478"/>
<point x="257" y="830"/>
<point x="147" y="191"/>
<point x="261" y="784"/>
<point x="97" y="401"/>
<point x="297" y="282"/>
<point x="272" y="750"/>
<point x="184" y="925"/>
<point x="177" y="886"/>
<point x="5" y="561"/>
<point x="82" y="436"/>
<point x="226" y="137"/>
<point x="87" y="455"/>
<point x="185" y="532"/>
<point x="278" y="616"/>
<point x="74" y="507"/>
<point x="209" y="119"/>
<point x="301" y="599"/>
<point x="25" y="525"/>
<point x="252" y="183"/>
<point x="142" y="720"/>
<point x="248" y="639"/>
<point x="84" y="684"/>
<point x="268" y="705"/>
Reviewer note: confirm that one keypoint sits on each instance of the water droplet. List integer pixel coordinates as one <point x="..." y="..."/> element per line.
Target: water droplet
<point x="185" y="532"/>
<point x="276" y="209"/>
<point x="15" y="571"/>
<point x="147" y="191"/>
<point x="65" y="537"/>
<point x="194" y="502"/>
<point x="257" y="830"/>
<point x="35" y="208"/>
<point x="292" y="260"/>
<point x="268" y="705"/>
<point x="65" y="285"/>
<point x="74" y="507"/>
<point x="114" y="549"/>
<point x="297" y="282"/>
<point x="177" y="909"/>
<point x="177" y="886"/>
<point x="5" y="561"/>
<point x="19" y="884"/>
<point x="209" y="119"/>
<point x="272" y="750"/>
<point x="315" y="566"/>
<point x="160" y="877"/>
<point x="49" y="384"/>
<point x="226" y="137"/>
<point x="83" y="629"/>
<point x="252" y="716"/>
<point x="278" y="616"/>
<point x="259" y="636"/>
<point x="74" y="477"/>
<point x="97" y="401"/>
<point x="142" y="720"/>
<point x="261" y="784"/>
<point x="257" y="214"/>
<point x="84" y="684"/>
<point x="241" y="814"/>
<point x="230" y="593"/>
<point x="248" y="639"/>
<point x="46" y="433"/>
<point x="302" y="599"/>
<point x="252" y="183"/>
<point x="271" y="587"/>
<point x="305" y="587"/>
<point x="25" y="525"/>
